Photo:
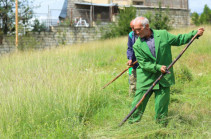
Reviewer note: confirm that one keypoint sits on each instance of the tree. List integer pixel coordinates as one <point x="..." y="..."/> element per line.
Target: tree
<point x="195" y="18"/>
<point x="159" y="20"/>
<point x="124" y="18"/>
<point x="122" y="27"/>
<point x="205" y="17"/>
<point x="7" y="14"/>
<point x="38" y="27"/>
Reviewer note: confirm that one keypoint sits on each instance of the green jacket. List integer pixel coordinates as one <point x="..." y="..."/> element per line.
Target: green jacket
<point x="149" y="67"/>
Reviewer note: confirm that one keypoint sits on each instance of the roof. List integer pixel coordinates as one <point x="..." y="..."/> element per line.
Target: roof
<point x="95" y="4"/>
<point x="63" y="13"/>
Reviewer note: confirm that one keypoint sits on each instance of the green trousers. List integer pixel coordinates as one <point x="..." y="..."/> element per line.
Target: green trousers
<point x="162" y="97"/>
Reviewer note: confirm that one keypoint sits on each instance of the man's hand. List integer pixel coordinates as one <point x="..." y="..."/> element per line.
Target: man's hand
<point x="200" y="31"/>
<point x="163" y="69"/>
<point x="129" y="63"/>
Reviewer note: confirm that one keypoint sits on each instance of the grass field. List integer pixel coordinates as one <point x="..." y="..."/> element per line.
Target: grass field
<point x="57" y="93"/>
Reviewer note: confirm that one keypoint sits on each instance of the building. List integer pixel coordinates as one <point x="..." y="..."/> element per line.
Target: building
<point x="105" y="10"/>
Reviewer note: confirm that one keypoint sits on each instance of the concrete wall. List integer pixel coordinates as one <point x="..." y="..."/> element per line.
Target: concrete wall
<point x="58" y="36"/>
<point x="180" y="4"/>
<point x="178" y="17"/>
<point x="164" y="3"/>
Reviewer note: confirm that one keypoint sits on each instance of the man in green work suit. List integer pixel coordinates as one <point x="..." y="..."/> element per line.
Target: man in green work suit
<point x="153" y="52"/>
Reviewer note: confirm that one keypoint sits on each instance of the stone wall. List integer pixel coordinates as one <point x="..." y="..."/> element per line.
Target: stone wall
<point x="56" y="37"/>
<point x="69" y="35"/>
<point x="6" y="44"/>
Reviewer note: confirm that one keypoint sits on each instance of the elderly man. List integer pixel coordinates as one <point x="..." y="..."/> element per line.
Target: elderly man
<point x="132" y="37"/>
<point x="153" y="52"/>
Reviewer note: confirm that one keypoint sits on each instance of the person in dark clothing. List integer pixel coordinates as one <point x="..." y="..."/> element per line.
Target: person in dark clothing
<point x="131" y="58"/>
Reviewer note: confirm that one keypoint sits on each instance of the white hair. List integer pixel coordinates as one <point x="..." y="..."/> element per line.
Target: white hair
<point x="144" y="21"/>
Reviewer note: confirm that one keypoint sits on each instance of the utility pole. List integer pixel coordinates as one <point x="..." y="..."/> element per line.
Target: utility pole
<point x="16" y="21"/>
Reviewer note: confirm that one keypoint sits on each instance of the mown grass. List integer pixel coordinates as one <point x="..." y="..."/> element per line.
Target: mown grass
<point x="57" y="93"/>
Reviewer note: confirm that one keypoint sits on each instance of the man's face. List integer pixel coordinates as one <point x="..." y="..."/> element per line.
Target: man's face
<point x="140" y="30"/>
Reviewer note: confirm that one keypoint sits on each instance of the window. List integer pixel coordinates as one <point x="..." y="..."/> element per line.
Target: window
<point x="138" y="3"/>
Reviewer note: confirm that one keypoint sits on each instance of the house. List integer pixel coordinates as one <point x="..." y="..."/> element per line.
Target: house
<point x="106" y="10"/>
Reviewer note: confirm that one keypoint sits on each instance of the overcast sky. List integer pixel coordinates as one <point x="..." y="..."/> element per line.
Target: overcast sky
<point x="198" y="5"/>
<point x="194" y="6"/>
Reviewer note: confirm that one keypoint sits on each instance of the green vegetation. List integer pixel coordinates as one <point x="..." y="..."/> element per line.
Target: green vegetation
<point x="57" y="93"/>
<point x="160" y="19"/>
<point x="204" y="18"/>
<point x="7" y="14"/>
<point x="38" y="27"/>
<point x="122" y="26"/>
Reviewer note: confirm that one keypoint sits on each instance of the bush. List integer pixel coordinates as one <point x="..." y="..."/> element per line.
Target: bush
<point x="159" y="20"/>
<point x="124" y="18"/>
<point x="27" y="42"/>
<point x="66" y="22"/>
<point x="38" y="27"/>
<point x="122" y="27"/>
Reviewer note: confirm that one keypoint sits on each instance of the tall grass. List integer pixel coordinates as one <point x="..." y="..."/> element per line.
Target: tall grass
<point x="57" y="93"/>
